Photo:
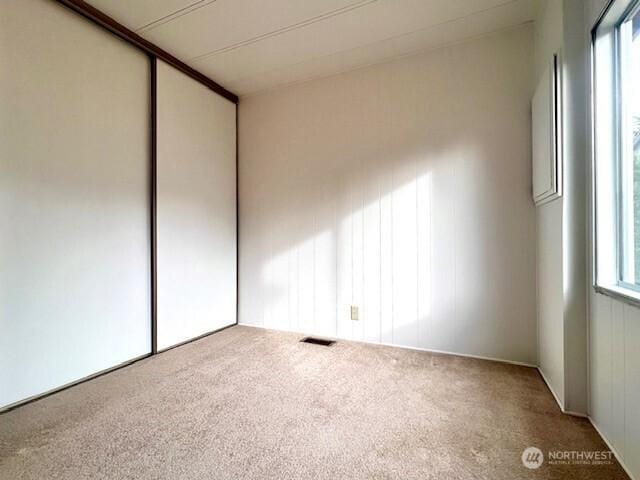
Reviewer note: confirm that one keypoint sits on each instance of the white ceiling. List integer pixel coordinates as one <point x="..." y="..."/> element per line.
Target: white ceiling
<point x="252" y="45"/>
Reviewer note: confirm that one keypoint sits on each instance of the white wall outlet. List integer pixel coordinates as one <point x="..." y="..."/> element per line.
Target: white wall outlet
<point x="354" y="313"/>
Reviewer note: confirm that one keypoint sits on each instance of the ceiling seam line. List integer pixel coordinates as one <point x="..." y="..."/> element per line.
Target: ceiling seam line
<point x="280" y="31"/>
<point x="393" y="37"/>
<point x="174" y="15"/>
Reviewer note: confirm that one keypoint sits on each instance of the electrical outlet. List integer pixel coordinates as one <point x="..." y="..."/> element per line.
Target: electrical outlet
<point x="354" y="312"/>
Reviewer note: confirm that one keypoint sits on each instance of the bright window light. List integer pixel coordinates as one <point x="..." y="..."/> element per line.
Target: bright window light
<point x="629" y="152"/>
<point x="616" y="76"/>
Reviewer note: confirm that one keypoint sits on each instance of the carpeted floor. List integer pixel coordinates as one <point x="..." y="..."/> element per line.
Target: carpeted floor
<point x="255" y="404"/>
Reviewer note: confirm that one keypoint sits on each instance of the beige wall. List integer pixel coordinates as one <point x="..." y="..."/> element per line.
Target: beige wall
<point x="403" y="188"/>
<point x="549" y="232"/>
<point x="561" y="224"/>
<point x="575" y="288"/>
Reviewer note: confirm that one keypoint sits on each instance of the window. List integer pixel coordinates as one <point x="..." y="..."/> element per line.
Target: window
<point x="616" y="76"/>
<point x="629" y="153"/>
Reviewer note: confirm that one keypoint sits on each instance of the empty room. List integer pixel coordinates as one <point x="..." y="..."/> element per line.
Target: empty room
<point x="320" y="239"/>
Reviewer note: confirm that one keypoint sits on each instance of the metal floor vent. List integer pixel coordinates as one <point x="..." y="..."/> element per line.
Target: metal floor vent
<point x="318" y="341"/>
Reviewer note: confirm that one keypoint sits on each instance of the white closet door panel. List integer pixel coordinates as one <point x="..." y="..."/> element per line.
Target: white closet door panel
<point x="196" y="208"/>
<point x="74" y="199"/>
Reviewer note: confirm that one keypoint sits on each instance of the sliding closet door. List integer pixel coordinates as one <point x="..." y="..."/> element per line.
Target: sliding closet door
<point x="196" y="208"/>
<point x="74" y="199"/>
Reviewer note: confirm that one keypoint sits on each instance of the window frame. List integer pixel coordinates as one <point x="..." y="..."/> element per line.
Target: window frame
<point x="620" y="117"/>
<point x="622" y="10"/>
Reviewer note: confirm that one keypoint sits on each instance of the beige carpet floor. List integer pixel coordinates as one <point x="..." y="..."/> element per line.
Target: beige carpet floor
<point x="254" y="404"/>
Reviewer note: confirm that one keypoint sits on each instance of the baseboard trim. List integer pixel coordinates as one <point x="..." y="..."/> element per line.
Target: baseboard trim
<point x="546" y="381"/>
<point x="575" y="414"/>
<point x="615" y="453"/>
<point x="394" y="345"/>
<point x="560" y="404"/>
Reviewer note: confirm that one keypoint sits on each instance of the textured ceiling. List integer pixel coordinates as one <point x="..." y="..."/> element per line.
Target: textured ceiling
<point x="252" y="45"/>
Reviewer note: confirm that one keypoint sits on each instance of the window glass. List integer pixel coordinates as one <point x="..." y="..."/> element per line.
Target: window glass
<point x="629" y="148"/>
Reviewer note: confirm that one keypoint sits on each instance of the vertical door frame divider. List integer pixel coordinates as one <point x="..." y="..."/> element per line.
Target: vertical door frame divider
<point x="237" y="217"/>
<point x="153" y="64"/>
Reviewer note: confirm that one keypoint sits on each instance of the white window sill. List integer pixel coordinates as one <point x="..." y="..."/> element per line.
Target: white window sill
<point x="625" y="295"/>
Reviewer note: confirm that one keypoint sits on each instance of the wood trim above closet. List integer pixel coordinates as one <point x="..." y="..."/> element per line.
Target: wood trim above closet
<point x="96" y="16"/>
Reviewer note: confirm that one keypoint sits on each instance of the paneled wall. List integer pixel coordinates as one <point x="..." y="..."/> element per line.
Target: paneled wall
<point x="615" y="376"/>
<point x="196" y="209"/>
<point x="614" y="354"/>
<point x="403" y="189"/>
<point x="74" y="199"/>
